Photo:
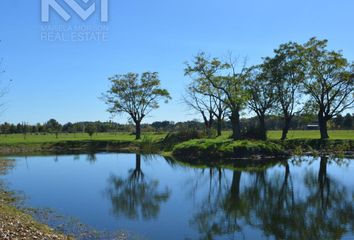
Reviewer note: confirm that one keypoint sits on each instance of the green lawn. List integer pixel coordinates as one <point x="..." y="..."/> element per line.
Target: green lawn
<point x="51" y="138"/>
<point x="313" y="134"/>
<point x="305" y="134"/>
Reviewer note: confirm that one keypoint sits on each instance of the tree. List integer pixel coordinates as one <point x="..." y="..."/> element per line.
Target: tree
<point x="90" y="129"/>
<point x="207" y="100"/>
<point x="348" y="121"/>
<point x="24" y="129"/>
<point x="223" y="77"/>
<point x="5" y="128"/>
<point x="135" y="95"/>
<point x="53" y="126"/>
<point x="262" y="94"/>
<point x="329" y="81"/>
<point x="203" y="104"/>
<point x="338" y="121"/>
<point x="287" y="72"/>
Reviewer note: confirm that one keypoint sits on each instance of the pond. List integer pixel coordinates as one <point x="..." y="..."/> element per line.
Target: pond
<point x="150" y="197"/>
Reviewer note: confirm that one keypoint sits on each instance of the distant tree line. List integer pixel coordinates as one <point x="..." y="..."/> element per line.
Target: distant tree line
<point x="273" y="122"/>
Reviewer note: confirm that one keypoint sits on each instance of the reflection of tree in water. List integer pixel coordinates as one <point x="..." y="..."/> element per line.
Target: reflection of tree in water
<point x="211" y="220"/>
<point x="323" y="210"/>
<point x="91" y="158"/>
<point x="136" y="197"/>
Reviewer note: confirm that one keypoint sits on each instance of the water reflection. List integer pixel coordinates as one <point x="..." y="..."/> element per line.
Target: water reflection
<point x="322" y="209"/>
<point x="91" y="158"/>
<point x="136" y="196"/>
<point x="302" y="198"/>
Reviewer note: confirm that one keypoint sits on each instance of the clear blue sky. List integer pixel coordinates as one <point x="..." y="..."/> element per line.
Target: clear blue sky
<point x="63" y="80"/>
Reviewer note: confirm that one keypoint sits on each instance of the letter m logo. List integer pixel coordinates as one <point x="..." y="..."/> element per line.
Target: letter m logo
<point x="81" y="12"/>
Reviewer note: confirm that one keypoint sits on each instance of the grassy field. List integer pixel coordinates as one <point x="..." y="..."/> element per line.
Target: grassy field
<point x="313" y="134"/>
<point x="51" y="138"/>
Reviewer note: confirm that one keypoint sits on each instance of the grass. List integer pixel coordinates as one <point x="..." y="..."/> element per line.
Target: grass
<point x="51" y="138"/>
<point x="217" y="148"/>
<point x="152" y="142"/>
<point x="313" y="134"/>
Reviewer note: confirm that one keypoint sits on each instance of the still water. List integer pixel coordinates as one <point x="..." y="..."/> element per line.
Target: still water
<point x="154" y="198"/>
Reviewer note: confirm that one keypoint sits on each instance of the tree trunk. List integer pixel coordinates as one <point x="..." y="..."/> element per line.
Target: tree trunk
<point x="137" y="173"/>
<point x="235" y="186"/>
<point x="236" y="128"/>
<point x="232" y="203"/>
<point x="322" y="122"/>
<point x="138" y="162"/>
<point x="208" y="123"/>
<point x="137" y="130"/>
<point x="208" y="126"/>
<point x="286" y="127"/>
<point x="262" y="126"/>
<point x="323" y="181"/>
<point x="219" y="127"/>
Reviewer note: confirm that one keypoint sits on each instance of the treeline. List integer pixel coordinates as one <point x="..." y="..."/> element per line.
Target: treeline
<point x="298" y="80"/>
<point x="272" y="123"/>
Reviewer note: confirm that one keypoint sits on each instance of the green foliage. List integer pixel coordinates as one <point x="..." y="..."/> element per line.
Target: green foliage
<point x="53" y="126"/>
<point x="174" y="138"/>
<point x="299" y="146"/>
<point x="135" y="95"/>
<point x="15" y="139"/>
<point x="90" y="129"/>
<point x="222" y="76"/>
<point x="216" y="148"/>
<point x="148" y="144"/>
<point x="253" y="132"/>
<point x="329" y="81"/>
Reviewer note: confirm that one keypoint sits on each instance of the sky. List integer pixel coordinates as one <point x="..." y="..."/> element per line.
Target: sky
<point x="63" y="78"/>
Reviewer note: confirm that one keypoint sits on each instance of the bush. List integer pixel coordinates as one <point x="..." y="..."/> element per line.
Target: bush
<point x="218" y="149"/>
<point x="147" y="145"/>
<point x="252" y="132"/>
<point x="174" y="138"/>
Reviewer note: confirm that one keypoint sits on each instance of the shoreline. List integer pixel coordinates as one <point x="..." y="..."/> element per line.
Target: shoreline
<point x="15" y="223"/>
<point x="192" y="149"/>
<point x="195" y="153"/>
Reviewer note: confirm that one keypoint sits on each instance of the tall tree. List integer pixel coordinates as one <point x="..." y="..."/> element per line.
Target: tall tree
<point x="223" y="77"/>
<point x="329" y="81"/>
<point x="287" y="72"/>
<point x="203" y="104"/>
<point x="206" y="99"/>
<point x="137" y="95"/>
<point x="262" y="94"/>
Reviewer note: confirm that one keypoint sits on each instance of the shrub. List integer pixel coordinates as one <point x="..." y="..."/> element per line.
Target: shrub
<point x="174" y="138"/>
<point x="147" y="145"/>
<point x="252" y="132"/>
<point x="215" y="149"/>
